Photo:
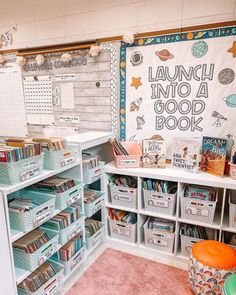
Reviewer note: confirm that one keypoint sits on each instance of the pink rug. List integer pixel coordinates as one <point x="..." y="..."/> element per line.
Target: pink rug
<point x="119" y="273"/>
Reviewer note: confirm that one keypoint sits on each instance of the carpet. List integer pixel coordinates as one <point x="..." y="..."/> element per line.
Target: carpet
<point x="119" y="273"/>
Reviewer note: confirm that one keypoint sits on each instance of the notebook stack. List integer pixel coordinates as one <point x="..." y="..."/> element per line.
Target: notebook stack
<point x="91" y="226"/>
<point x="51" y="144"/>
<point x="89" y="161"/>
<point x="158" y="224"/>
<point x="125" y="181"/>
<point x="89" y="196"/>
<point x="128" y="217"/>
<point x="160" y="186"/>
<point x="21" y="205"/>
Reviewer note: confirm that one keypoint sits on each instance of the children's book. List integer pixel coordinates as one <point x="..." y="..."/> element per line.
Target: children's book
<point x="154" y="152"/>
<point x="185" y="154"/>
<point x="213" y="155"/>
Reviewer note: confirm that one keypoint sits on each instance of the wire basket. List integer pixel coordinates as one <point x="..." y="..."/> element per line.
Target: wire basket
<point x="123" y="230"/>
<point x="27" y="221"/>
<point x="123" y="196"/>
<point x="93" y="174"/>
<point x="91" y="208"/>
<point x="16" y="172"/>
<point x="34" y="260"/>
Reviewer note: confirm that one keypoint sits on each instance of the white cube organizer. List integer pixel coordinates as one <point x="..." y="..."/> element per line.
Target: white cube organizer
<point x="58" y="159"/>
<point x="187" y="244"/>
<point x="123" y="196"/>
<point x="123" y="230"/>
<point x="232" y="214"/>
<point x="26" y="221"/>
<point x="65" y="199"/>
<point x="93" y="207"/>
<point x="34" y="260"/>
<point x="51" y="286"/>
<point x="76" y="260"/>
<point x="93" y="241"/>
<point x="198" y="210"/>
<point x="16" y="172"/>
<point x="158" y="240"/>
<point x="71" y="231"/>
<point x="159" y="202"/>
<point x="93" y="174"/>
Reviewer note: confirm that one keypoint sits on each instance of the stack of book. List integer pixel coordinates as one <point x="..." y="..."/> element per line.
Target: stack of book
<point x="194" y="231"/>
<point x="18" y="149"/>
<point x="125" y="181"/>
<point x="55" y="184"/>
<point x="89" y="196"/>
<point x="38" y="278"/>
<point x="89" y="161"/>
<point x="200" y="192"/>
<point x="128" y="217"/>
<point x="21" y="205"/>
<point x="51" y="143"/>
<point x="31" y="242"/>
<point x="158" y="224"/>
<point x="119" y="148"/>
<point x="67" y="251"/>
<point x="64" y="218"/>
<point x="160" y="186"/>
<point x="91" y="226"/>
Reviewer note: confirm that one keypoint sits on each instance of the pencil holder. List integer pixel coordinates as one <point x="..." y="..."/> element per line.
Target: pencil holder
<point x="58" y="159"/>
<point x="187" y="244"/>
<point x="71" y="231"/>
<point x="26" y="221"/>
<point x="34" y="260"/>
<point x="159" y="240"/>
<point x="93" y="241"/>
<point x="52" y="284"/>
<point x="123" y="230"/>
<point x="92" y="208"/>
<point x="76" y="260"/>
<point x="129" y="161"/>
<point x="93" y="174"/>
<point x="159" y="202"/>
<point x="232" y="170"/>
<point x="16" y="172"/>
<point x="123" y="196"/>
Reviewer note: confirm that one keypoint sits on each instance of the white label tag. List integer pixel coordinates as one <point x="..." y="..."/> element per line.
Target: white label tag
<point x="77" y="259"/>
<point x="126" y="198"/>
<point x="74" y="233"/>
<point x="46" y="255"/>
<point x="29" y="174"/>
<point x="41" y="218"/>
<point x="128" y="162"/>
<point x="67" y="160"/>
<point x="97" y="207"/>
<point x="74" y="198"/>
<point x="197" y="211"/>
<point x="122" y="231"/>
<point x="52" y="287"/>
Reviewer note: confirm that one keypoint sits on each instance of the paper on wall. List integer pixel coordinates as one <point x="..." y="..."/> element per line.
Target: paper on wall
<point x="67" y="96"/>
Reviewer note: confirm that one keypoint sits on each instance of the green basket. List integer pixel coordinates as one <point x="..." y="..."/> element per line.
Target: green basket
<point x="16" y="172"/>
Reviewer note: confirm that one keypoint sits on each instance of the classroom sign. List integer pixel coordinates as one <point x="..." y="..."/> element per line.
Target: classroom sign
<point x="179" y="85"/>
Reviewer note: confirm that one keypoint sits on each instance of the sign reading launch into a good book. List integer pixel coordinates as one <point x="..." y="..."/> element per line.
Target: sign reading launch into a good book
<point x="179" y="85"/>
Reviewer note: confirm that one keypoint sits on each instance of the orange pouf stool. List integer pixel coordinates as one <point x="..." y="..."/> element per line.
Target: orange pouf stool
<point x="211" y="263"/>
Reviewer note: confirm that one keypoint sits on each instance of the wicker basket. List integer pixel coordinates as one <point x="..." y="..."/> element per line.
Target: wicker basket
<point x="71" y="231"/>
<point x="93" y="241"/>
<point x="123" y="230"/>
<point x="187" y="244"/>
<point x="93" y="174"/>
<point x="96" y="205"/>
<point x="123" y="196"/>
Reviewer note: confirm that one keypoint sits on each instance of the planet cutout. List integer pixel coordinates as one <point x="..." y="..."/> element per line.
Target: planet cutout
<point x="226" y="76"/>
<point x="199" y="49"/>
<point x="164" y="54"/>
<point x="230" y="100"/>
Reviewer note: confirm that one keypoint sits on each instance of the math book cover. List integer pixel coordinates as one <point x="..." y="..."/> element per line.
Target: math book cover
<point x="185" y="154"/>
<point x="154" y="153"/>
<point x="213" y="155"/>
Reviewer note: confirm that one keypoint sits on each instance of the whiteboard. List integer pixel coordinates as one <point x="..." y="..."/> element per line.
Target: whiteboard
<point x="12" y="106"/>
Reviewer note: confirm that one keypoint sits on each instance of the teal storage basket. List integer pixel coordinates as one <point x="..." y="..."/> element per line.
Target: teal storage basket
<point x="65" y="199"/>
<point x="51" y="286"/>
<point x="58" y="159"/>
<point x="16" y="172"/>
<point x="93" y="174"/>
<point x="93" y="241"/>
<point x="71" y="231"/>
<point x="27" y="221"/>
<point x="34" y="260"/>
<point x="76" y="260"/>
<point x="96" y="205"/>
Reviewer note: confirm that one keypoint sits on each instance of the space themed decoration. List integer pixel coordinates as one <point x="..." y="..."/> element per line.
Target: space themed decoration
<point x="175" y="86"/>
<point x="128" y="38"/>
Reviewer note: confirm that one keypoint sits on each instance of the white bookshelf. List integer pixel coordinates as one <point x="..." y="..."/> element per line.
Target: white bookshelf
<point x="221" y="219"/>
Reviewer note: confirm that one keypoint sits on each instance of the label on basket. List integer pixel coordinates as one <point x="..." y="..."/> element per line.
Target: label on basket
<point x="121" y="231"/>
<point x="77" y="259"/>
<point x="47" y="252"/>
<point x="158" y="201"/>
<point x="196" y="208"/>
<point x="97" y="206"/>
<point x="96" y="174"/>
<point x="74" y="233"/>
<point x="97" y="240"/>
<point x="42" y="217"/>
<point x="67" y="160"/>
<point x="126" y="198"/>
<point x="75" y="196"/>
<point x="49" y="289"/>
<point x="159" y="242"/>
<point x="29" y="173"/>
<point x="128" y="162"/>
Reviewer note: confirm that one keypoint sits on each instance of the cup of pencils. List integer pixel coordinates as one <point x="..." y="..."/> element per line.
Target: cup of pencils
<point x="233" y="166"/>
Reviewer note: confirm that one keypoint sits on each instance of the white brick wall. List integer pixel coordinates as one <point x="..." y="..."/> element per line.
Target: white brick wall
<point x="44" y="22"/>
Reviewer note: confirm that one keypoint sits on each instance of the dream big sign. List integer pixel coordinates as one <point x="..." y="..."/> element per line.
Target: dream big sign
<point x="179" y="85"/>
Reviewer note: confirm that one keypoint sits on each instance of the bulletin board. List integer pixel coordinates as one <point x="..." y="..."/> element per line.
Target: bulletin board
<point x="179" y="85"/>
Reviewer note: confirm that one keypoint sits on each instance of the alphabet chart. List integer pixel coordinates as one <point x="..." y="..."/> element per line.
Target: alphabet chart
<point x="38" y="99"/>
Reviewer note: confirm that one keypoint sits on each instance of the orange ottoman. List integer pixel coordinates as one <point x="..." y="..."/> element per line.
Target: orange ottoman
<point x="211" y="263"/>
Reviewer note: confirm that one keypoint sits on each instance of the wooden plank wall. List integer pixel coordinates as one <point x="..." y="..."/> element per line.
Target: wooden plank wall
<point x="92" y="103"/>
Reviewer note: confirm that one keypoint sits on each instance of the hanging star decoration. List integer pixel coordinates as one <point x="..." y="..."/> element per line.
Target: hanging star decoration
<point x="136" y="82"/>
<point x="6" y="38"/>
<point x="233" y="49"/>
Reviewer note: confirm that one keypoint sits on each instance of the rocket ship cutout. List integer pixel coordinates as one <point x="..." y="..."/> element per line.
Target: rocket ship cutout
<point x="135" y="105"/>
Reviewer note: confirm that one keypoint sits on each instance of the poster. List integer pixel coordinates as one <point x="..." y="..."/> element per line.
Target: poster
<point x="179" y="85"/>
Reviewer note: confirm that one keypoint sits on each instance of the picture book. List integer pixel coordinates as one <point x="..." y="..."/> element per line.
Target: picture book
<point x="185" y="154"/>
<point x="213" y="155"/>
<point x="154" y="152"/>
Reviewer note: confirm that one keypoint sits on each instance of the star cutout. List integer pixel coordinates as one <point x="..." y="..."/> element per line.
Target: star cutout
<point x="136" y="82"/>
<point x="233" y="49"/>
